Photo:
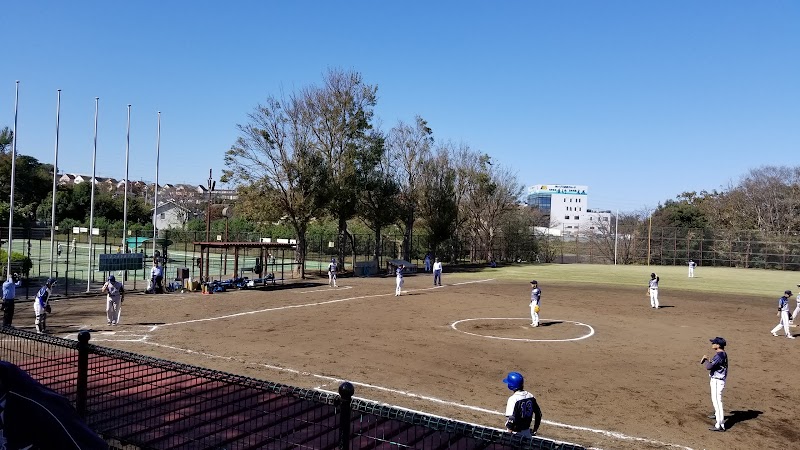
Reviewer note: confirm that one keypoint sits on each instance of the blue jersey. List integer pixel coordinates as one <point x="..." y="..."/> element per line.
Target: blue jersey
<point x="43" y="295"/>
<point x="783" y="304"/>
<point x="399" y="273"/>
<point x="536" y="295"/>
<point x="718" y="366"/>
<point x="10" y="289"/>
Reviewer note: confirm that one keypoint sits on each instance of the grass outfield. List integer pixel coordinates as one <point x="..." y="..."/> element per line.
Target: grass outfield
<point x="758" y="282"/>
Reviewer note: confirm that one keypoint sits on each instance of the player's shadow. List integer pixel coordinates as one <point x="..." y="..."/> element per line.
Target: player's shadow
<point x="547" y="324"/>
<point x="740" y="416"/>
<point x="665" y="306"/>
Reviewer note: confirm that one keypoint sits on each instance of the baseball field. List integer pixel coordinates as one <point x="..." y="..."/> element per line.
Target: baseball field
<point x="608" y="371"/>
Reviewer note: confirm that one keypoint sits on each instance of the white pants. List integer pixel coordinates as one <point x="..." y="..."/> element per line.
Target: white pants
<point x="691" y="273"/>
<point x="399" y="289"/>
<point x="41" y="317"/>
<point x="534" y="315"/>
<point x="795" y="312"/>
<point x="717" y="386"/>
<point x="332" y="278"/>
<point x="654" y="298"/>
<point x="783" y="323"/>
<point x="113" y="309"/>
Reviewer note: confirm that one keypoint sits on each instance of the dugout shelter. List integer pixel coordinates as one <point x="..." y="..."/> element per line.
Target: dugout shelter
<point x="281" y="260"/>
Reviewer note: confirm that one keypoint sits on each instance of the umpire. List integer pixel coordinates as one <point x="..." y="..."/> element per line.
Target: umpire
<point x="9" y="293"/>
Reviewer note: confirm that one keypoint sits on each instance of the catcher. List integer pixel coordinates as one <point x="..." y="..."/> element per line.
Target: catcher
<point x="536" y="298"/>
<point x="41" y="305"/>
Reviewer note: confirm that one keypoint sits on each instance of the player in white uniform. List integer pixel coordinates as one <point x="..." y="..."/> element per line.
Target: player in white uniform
<point x="783" y="313"/>
<point x="692" y="265"/>
<point x="536" y="298"/>
<point x="399" y="280"/>
<point x="115" y="293"/>
<point x="796" y="311"/>
<point x="652" y="289"/>
<point x="521" y="407"/>
<point x="41" y="305"/>
<point x="332" y="273"/>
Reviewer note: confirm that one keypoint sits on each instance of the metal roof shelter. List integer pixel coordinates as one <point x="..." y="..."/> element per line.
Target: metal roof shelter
<point x="264" y="247"/>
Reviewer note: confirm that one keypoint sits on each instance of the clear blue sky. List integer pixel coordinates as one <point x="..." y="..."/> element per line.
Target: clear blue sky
<point x="639" y="100"/>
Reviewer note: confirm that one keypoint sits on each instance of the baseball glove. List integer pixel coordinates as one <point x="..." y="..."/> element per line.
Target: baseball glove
<point x="536" y="309"/>
<point x="48" y="309"/>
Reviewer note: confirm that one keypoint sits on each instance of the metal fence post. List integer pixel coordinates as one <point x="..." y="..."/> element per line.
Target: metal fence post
<point x="346" y="391"/>
<point x="83" y="372"/>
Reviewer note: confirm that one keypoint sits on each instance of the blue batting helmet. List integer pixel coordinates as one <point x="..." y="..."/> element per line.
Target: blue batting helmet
<point x="111" y="278"/>
<point x="514" y="380"/>
<point x="50" y="281"/>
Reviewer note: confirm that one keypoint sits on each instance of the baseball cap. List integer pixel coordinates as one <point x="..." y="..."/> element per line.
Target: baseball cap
<point x="534" y="282"/>
<point x="787" y="292"/>
<point x="111" y="278"/>
<point x="50" y="281"/>
<point x="719" y="341"/>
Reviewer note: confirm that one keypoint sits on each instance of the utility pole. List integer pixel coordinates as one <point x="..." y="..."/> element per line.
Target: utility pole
<point x="211" y="184"/>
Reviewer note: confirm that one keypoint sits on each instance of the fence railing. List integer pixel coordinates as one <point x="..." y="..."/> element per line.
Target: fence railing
<point x="152" y="403"/>
<point x="634" y="245"/>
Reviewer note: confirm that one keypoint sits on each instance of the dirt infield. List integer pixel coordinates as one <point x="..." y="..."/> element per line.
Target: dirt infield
<point x="608" y="370"/>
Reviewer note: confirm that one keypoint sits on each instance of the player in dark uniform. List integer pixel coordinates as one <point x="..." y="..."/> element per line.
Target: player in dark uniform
<point x="717" y="368"/>
<point x="521" y="408"/>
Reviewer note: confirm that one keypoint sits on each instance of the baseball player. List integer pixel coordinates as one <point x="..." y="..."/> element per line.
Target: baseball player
<point x="9" y="293"/>
<point x="521" y="407"/>
<point x="717" y="368"/>
<point x="652" y="289"/>
<point x="41" y="305"/>
<point x="783" y="313"/>
<point x="437" y="272"/>
<point x="115" y="295"/>
<point x="796" y="311"/>
<point x="332" y="273"/>
<point x="399" y="280"/>
<point x="692" y="265"/>
<point x="536" y="298"/>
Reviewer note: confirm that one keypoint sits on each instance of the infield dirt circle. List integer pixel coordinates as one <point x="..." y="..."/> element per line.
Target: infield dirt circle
<point x="635" y="382"/>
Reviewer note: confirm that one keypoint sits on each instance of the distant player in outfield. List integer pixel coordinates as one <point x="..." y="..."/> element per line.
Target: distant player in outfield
<point x="521" y="407"/>
<point x="536" y="298"/>
<point x="652" y="289"/>
<point x="692" y="265"/>
<point x="783" y="313"/>
<point x="332" y="272"/>
<point x="399" y="280"/>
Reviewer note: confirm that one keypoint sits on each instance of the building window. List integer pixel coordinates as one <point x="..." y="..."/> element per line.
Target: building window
<point x="577" y="218"/>
<point x="590" y="218"/>
<point x="566" y="217"/>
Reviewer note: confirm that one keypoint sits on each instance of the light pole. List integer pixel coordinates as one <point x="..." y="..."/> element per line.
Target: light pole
<point x="211" y="184"/>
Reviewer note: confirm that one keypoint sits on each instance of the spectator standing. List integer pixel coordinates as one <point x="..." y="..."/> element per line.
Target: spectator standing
<point x="437" y="273"/>
<point x="157" y="278"/>
<point x="521" y="407"/>
<point x="115" y="295"/>
<point x="9" y="294"/>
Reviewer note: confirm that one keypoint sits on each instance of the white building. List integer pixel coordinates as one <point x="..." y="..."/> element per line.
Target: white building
<point x="171" y="215"/>
<point x="567" y="206"/>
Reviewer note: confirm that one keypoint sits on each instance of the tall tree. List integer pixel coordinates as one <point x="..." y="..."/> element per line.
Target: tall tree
<point x="410" y="147"/>
<point x="438" y="204"/>
<point x="377" y="202"/>
<point x="340" y="114"/>
<point x="277" y="168"/>
<point x="6" y="138"/>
